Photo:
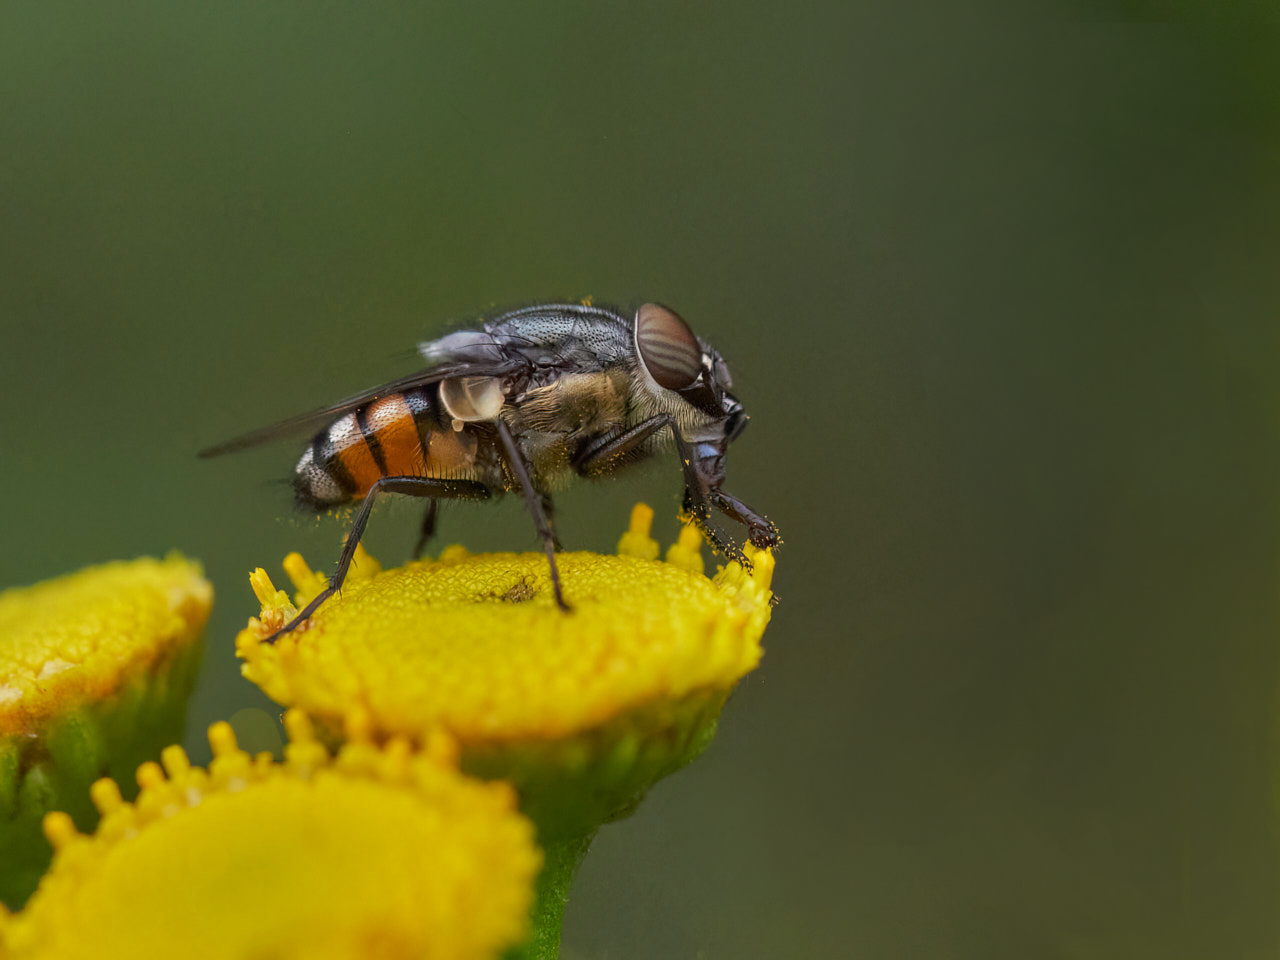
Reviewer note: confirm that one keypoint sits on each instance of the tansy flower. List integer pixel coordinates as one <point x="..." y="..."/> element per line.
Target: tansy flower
<point x="582" y="711"/>
<point x="375" y="853"/>
<point x="95" y="669"/>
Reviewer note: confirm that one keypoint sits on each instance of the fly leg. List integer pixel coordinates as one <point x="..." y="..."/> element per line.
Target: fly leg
<point x="549" y="509"/>
<point x="760" y="529"/>
<point x="410" y="486"/>
<point x="601" y="458"/>
<point x="537" y="503"/>
<point x="428" y="528"/>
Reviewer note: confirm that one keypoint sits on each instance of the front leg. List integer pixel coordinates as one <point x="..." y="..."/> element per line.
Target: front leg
<point x="699" y="511"/>
<point x="599" y="459"/>
<point x="762" y="531"/>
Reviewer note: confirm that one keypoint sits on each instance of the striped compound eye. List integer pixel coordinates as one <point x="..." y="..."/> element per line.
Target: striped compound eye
<point x="670" y="351"/>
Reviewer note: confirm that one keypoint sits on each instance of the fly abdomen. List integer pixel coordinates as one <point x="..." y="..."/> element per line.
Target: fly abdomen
<point x="318" y="480"/>
<point x="390" y="432"/>
<point x="397" y="435"/>
<point x="350" y="455"/>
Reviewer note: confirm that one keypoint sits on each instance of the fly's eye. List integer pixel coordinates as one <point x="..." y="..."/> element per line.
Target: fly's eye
<point x="472" y="398"/>
<point x="670" y="351"/>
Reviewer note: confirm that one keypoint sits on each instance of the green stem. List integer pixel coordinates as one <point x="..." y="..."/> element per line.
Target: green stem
<point x="562" y="855"/>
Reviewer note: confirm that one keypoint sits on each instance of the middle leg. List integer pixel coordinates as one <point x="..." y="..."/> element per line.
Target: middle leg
<point x="536" y="501"/>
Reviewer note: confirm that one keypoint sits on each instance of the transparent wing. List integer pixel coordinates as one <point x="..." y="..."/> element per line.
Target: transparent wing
<point x="312" y="421"/>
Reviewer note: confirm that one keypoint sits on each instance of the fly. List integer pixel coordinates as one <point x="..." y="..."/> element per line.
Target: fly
<point x="525" y="403"/>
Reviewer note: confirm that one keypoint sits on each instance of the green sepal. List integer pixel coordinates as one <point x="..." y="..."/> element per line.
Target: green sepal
<point x="573" y="785"/>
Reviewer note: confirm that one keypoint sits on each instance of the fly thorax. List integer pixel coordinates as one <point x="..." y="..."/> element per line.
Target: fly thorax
<point x="574" y="404"/>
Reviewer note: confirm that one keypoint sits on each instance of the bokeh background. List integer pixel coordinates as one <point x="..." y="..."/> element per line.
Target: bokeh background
<point x="999" y="286"/>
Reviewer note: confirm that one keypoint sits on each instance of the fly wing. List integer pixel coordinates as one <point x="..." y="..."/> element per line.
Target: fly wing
<point x="492" y="366"/>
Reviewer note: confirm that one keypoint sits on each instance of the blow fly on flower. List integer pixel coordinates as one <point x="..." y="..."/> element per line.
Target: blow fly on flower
<point x="524" y="403"/>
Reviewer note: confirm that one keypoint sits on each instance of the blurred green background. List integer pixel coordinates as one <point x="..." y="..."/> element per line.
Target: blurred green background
<point x="999" y="283"/>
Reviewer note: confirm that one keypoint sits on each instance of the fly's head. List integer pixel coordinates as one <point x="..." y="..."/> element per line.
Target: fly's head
<point x="688" y="378"/>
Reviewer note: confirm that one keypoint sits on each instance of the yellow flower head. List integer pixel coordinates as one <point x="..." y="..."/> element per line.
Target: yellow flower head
<point x="95" y="669"/>
<point x="581" y="711"/>
<point x="475" y="645"/>
<point x="80" y="638"/>
<point x="373" y="853"/>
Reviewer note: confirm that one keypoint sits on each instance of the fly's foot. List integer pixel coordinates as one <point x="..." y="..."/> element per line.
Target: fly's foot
<point x="727" y="548"/>
<point x="301" y="619"/>
<point x="764" y="536"/>
<point x="289" y="627"/>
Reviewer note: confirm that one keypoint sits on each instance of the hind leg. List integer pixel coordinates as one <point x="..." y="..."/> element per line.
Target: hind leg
<point x="409" y="486"/>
